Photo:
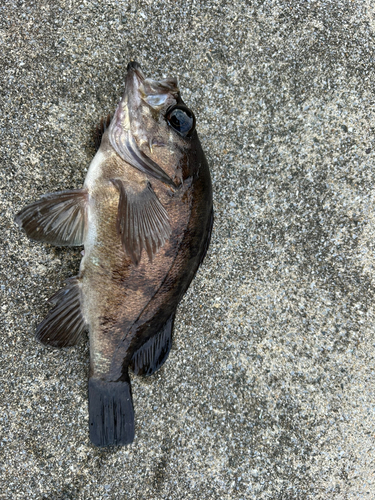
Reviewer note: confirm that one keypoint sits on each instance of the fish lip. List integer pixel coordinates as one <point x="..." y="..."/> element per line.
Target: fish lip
<point x="133" y="80"/>
<point x="134" y="69"/>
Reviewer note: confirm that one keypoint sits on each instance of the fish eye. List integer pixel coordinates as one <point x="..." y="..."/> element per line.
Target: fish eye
<point x="181" y="119"/>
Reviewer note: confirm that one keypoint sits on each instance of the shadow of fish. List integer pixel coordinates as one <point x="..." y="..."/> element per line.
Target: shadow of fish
<point x="144" y="216"/>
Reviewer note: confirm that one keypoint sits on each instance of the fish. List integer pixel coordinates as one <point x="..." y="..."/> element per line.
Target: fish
<point x="144" y="217"/>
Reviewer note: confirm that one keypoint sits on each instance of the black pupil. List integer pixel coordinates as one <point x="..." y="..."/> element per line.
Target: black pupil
<point x="181" y="121"/>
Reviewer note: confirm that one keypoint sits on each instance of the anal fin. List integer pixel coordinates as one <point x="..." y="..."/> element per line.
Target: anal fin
<point x="64" y="324"/>
<point x="153" y="353"/>
<point x="57" y="218"/>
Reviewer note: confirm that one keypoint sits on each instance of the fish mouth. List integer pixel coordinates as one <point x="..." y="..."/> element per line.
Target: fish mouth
<point x="135" y="68"/>
<point x="133" y="81"/>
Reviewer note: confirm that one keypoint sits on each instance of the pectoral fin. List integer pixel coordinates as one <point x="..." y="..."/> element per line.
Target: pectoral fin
<point x="142" y="221"/>
<point x="57" y="218"/>
<point x="151" y="356"/>
<point x="64" y="324"/>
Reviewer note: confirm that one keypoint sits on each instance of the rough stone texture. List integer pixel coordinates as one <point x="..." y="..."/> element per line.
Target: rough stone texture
<point x="269" y="389"/>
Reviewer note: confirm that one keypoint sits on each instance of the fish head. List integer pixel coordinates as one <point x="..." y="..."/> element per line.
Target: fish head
<point x="154" y="129"/>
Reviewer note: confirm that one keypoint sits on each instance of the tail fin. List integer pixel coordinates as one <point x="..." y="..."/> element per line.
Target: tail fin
<point x="111" y="412"/>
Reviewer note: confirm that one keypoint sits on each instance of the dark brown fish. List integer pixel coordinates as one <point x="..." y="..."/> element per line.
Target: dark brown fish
<point x="144" y="216"/>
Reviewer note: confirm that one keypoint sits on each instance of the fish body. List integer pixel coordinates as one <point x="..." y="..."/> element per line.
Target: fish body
<point x="144" y="216"/>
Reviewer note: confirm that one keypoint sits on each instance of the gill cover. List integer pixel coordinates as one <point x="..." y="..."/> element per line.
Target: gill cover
<point x="123" y="126"/>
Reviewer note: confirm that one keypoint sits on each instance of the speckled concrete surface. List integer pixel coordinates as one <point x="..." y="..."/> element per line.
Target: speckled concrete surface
<point x="269" y="389"/>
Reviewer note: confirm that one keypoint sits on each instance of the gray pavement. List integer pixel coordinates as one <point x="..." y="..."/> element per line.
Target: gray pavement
<point x="269" y="391"/>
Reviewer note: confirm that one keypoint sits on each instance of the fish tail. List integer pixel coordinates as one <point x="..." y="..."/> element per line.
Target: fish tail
<point x="111" y="412"/>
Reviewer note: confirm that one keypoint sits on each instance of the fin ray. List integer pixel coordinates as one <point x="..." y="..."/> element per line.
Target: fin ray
<point x="64" y="324"/>
<point x="57" y="218"/>
<point x="153" y="354"/>
<point x="142" y="221"/>
<point x="208" y="238"/>
<point x="111" y="412"/>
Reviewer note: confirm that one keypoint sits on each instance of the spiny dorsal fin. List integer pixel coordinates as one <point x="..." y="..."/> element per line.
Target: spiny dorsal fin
<point x="64" y="324"/>
<point x="153" y="354"/>
<point x="142" y="221"/>
<point x="57" y="218"/>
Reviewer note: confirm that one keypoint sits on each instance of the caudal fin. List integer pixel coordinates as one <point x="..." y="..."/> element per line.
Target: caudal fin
<point x="111" y="412"/>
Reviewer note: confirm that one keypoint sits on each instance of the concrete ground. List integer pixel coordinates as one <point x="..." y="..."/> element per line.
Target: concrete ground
<point x="269" y="391"/>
